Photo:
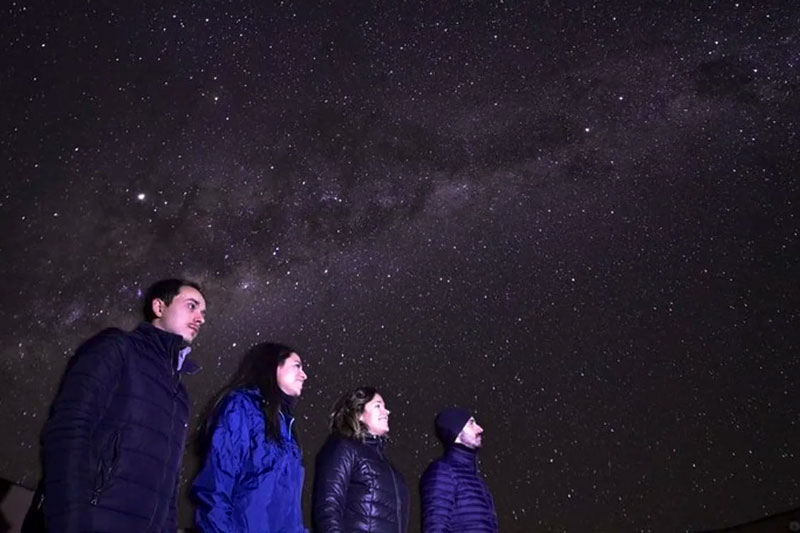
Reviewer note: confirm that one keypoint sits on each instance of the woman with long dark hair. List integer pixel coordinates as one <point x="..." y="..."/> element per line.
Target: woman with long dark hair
<point x="252" y="477"/>
<point x="356" y="488"/>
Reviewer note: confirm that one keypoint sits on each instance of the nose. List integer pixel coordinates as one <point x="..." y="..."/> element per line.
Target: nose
<point x="303" y="375"/>
<point x="478" y="429"/>
<point x="200" y="318"/>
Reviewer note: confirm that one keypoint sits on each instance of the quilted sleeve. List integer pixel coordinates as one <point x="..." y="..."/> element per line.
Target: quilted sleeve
<point x="334" y="467"/>
<point x="85" y="392"/>
<point x="438" y="493"/>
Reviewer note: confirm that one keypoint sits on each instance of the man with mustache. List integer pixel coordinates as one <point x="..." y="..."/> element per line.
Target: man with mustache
<point x="113" y="443"/>
<point x="455" y="498"/>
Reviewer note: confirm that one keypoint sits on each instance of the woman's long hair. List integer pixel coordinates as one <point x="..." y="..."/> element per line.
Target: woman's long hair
<point x="258" y="370"/>
<point x="344" y="420"/>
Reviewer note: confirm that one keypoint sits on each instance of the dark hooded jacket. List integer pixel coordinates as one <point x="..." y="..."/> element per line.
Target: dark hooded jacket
<point x="113" y="444"/>
<point x="454" y="496"/>
<point x="357" y="490"/>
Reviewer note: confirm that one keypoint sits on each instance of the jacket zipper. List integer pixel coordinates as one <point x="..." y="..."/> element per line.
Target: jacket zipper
<point x="176" y="379"/>
<point x="396" y="493"/>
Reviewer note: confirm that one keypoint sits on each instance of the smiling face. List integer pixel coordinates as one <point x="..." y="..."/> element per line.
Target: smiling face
<point x="183" y="315"/>
<point x="291" y="375"/>
<point x="375" y="416"/>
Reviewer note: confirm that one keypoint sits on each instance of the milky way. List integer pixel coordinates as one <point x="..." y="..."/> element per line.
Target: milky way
<point x="580" y="222"/>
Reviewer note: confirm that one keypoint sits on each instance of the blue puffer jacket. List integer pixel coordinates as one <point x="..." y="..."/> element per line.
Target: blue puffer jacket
<point x="454" y="496"/>
<point x="249" y="484"/>
<point x="113" y="444"/>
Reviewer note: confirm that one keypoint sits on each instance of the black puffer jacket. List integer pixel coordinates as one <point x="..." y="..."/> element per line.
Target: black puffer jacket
<point x="113" y="444"/>
<point x="356" y="489"/>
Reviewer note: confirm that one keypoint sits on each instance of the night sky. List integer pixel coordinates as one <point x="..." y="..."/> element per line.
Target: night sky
<point x="580" y="219"/>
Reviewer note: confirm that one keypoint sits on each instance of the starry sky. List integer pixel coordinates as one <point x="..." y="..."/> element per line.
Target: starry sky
<point x="578" y="219"/>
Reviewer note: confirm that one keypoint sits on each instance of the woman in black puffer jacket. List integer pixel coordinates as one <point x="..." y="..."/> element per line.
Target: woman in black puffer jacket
<point x="356" y="488"/>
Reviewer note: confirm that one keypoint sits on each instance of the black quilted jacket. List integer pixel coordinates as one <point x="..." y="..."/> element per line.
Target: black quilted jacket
<point x="113" y="444"/>
<point x="357" y="490"/>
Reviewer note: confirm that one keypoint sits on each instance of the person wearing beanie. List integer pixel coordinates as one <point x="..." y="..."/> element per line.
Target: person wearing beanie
<point x="455" y="498"/>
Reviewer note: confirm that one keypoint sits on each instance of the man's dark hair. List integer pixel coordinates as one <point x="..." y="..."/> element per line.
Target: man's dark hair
<point x="165" y="290"/>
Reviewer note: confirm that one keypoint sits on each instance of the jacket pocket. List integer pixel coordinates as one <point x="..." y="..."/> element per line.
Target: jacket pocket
<point x="106" y="465"/>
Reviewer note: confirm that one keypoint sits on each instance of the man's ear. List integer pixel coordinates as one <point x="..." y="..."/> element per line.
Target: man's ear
<point x="158" y="307"/>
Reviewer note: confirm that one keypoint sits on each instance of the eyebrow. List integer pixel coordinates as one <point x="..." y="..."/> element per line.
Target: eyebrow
<point x="197" y="303"/>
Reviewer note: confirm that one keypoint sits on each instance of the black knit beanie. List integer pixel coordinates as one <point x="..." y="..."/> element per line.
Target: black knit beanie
<point x="449" y="424"/>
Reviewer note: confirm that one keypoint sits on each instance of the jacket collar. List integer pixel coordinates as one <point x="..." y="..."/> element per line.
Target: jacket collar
<point x="170" y="345"/>
<point x="378" y="442"/>
<point x="462" y="455"/>
<point x="189" y="367"/>
<point x="286" y="416"/>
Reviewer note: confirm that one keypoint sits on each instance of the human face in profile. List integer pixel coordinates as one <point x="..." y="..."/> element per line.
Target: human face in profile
<point x="375" y="416"/>
<point x="291" y="375"/>
<point x="183" y="315"/>
<point x="472" y="435"/>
